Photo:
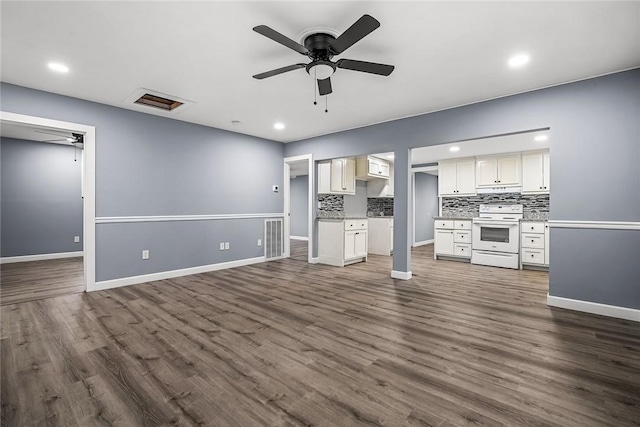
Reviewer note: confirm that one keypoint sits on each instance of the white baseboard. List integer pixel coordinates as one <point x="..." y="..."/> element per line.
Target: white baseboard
<point x="594" y="308"/>
<point x="315" y="260"/>
<point x="126" y="281"/>
<point x="306" y="239"/>
<point x="422" y="243"/>
<point x="40" y="257"/>
<point x="402" y="275"/>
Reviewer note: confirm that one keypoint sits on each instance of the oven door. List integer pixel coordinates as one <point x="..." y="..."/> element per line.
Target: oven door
<point x="495" y="235"/>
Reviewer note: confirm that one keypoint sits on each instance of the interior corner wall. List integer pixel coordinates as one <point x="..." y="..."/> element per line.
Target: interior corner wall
<point x="594" y="127"/>
<point x="299" y="205"/>
<point x="426" y="206"/>
<point x="147" y="165"/>
<point x="41" y="198"/>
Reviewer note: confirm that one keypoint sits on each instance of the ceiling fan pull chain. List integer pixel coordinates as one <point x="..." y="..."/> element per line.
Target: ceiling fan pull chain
<point x="315" y="93"/>
<point x="75" y="153"/>
<point x="326" y="103"/>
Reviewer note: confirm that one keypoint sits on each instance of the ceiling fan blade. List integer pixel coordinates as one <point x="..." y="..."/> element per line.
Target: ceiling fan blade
<point x="283" y="40"/>
<point x="278" y="71"/>
<point x="54" y="140"/>
<point x="362" y="27"/>
<point x="324" y="86"/>
<point x="365" y="67"/>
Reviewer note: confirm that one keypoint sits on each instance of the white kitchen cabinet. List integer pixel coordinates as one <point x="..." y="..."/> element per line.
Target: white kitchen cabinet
<point x="381" y="187"/>
<point x="342" y="242"/>
<point x="535" y="173"/>
<point x="452" y="238"/>
<point x="337" y="177"/>
<point x="501" y="171"/>
<point x="370" y="167"/>
<point x="534" y="243"/>
<point x="457" y="178"/>
<point x="380" y="236"/>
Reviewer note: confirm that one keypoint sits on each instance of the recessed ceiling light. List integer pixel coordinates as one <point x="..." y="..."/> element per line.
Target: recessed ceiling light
<point x="279" y="126"/>
<point x="518" y="61"/>
<point x="390" y="156"/>
<point x="541" y="138"/>
<point x="454" y="149"/>
<point x="56" y="66"/>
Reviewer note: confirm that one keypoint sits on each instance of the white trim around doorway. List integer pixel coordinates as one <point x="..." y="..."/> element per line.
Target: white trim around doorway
<point x="287" y="205"/>
<point x="88" y="183"/>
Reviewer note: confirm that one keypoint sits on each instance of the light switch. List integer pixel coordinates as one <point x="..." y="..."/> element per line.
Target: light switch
<point x="226" y="246"/>
<point x="145" y="254"/>
<point x="222" y="246"/>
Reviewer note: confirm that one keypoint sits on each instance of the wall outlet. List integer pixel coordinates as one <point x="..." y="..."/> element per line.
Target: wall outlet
<point x="226" y="246"/>
<point x="145" y="254"/>
<point x="259" y="242"/>
<point x="222" y="246"/>
<point x="319" y="205"/>
<point x="76" y="239"/>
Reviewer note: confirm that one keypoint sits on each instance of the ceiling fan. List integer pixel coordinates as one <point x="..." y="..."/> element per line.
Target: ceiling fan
<point x="321" y="47"/>
<point x="76" y="139"/>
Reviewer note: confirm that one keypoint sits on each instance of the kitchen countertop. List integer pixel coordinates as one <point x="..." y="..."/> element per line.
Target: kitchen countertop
<point x="340" y="218"/>
<point x="528" y="217"/>
<point x="454" y="218"/>
<point x="381" y="217"/>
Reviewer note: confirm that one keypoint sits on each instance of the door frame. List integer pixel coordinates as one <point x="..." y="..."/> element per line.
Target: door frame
<point x="88" y="183"/>
<point x="413" y="199"/>
<point x="287" y="204"/>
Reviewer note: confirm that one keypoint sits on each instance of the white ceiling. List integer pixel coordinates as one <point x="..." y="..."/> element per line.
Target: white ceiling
<point x="481" y="147"/>
<point x="445" y="53"/>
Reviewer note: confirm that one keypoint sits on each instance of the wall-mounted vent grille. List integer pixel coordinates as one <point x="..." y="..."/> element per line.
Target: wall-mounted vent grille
<point x="273" y="241"/>
<point x="159" y="102"/>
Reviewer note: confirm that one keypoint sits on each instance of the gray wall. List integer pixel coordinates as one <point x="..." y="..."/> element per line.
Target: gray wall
<point x="41" y="198"/>
<point x="594" y="126"/>
<point x="299" y="191"/>
<point x="357" y="205"/>
<point x="149" y="165"/>
<point x="426" y="207"/>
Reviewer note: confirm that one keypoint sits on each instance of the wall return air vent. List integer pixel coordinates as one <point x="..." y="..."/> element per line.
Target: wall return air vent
<point x="148" y="99"/>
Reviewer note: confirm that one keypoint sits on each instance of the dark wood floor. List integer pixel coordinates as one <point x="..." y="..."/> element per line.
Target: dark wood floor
<point x="289" y="343"/>
<point x="30" y="281"/>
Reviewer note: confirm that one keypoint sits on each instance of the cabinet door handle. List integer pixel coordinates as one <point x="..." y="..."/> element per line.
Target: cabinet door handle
<point x="541" y="188"/>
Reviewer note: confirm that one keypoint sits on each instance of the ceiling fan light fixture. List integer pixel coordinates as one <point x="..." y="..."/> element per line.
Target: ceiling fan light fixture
<point x="70" y="139"/>
<point x="321" y="70"/>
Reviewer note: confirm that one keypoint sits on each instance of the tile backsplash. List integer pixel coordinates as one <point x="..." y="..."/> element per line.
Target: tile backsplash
<point x="330" y="205"/>
<point x="379" y="206"/>
<point x="535" y="206"/>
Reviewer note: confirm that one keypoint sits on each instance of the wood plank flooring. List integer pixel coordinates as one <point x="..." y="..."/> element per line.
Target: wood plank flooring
<point x="286" y="343"/>
<point x="34" y="280"/>
<point x="299" y="250"/>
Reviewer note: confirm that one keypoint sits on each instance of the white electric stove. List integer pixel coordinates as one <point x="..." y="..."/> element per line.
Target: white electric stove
<point x="495" y="238"/>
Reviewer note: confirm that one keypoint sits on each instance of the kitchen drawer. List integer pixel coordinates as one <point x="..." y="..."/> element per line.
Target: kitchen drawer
<point x="462" y="236"/>
<point x="533" y="256"/>
<point x="355" y="224"/>
<point x="462" y="249"/>
<point x="535" y="241"/>
<point x="462" y="225"/>
<point x="444" y="223"/>
<point x="532" y="227"/>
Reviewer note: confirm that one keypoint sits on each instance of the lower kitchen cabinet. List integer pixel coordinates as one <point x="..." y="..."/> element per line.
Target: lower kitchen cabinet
<point x="534" y="243"/>
<point x="342" y="242"/>
<point x="380" y="236"/>
<point x="452" y="238"/>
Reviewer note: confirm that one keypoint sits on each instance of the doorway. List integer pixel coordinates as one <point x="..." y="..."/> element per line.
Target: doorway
<point x="298" y="207"/>
<point x="48" y="239"/>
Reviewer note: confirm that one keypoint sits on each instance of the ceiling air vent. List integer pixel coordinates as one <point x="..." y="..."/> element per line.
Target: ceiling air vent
<point x="158" y="102"/>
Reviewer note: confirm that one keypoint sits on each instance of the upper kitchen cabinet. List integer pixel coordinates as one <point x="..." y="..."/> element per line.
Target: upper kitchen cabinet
<point x="535" y="172"/>
<point x="457" y="178"/>
<point x="371" y="167"/>
<point x="337" y="176"/>
<point x="381" y="187"/>
<point x="503" y="171"/>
